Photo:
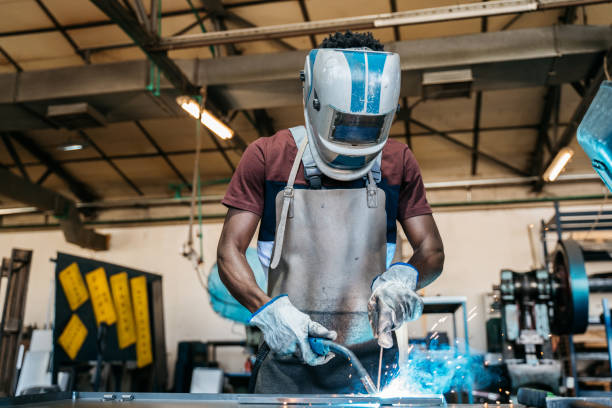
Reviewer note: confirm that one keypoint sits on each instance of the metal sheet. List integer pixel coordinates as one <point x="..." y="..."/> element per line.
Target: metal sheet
<point x="94" y="399"/>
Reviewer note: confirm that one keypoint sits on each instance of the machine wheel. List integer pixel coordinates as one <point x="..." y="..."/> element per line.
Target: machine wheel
<point x="570" y="290"/>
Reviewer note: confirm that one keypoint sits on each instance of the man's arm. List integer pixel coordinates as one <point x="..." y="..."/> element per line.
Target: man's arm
<point x="428" y="257"/>
<point x="234" y="270"/>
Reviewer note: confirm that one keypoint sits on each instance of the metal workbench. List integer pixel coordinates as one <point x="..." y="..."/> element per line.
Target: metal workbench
<point x="163" y="400"/>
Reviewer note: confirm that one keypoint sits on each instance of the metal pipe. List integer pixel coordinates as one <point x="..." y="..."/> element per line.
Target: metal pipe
<point x="516" y="201"/>
<point x="600" y="285"/>
<point x="429" y="15"/>
<point x="216" y="198"/>
<point x="503" y="181"/>
<point x="219" y="216"/>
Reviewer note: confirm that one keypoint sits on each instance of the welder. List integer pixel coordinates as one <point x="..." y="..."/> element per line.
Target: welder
<point x="328" y="195"/>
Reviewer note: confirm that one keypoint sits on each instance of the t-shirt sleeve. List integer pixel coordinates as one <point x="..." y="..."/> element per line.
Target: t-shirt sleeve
<point x="246" y="189"/>
<point x="412" y="198"/>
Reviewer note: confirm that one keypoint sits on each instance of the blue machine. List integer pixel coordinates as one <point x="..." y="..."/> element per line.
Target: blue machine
<point x="223" y="302"/>
<point x="595" y="133"/>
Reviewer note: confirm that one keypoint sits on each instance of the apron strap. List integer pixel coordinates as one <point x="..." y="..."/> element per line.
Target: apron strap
<point x="287" y="198"/>
<point x="372" y="191"/>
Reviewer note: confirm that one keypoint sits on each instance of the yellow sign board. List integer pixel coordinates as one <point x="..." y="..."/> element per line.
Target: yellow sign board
<point x="73" y="336"/>
<point x="103" y="307"/>
<point x="126" y="329"/>
<point x="144" y="353"/>
<point x="73" y="285"/>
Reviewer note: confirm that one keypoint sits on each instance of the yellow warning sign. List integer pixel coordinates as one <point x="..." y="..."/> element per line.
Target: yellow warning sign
<point x="73" y="285"/>
<point x="144" y="353"/>
<point x="73" y="336"/>
<point x="126" y="329"/>
<point x="103" y="307"/>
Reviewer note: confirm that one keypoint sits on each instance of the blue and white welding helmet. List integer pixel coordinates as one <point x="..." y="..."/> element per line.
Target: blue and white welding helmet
<point x="350" y="98"/>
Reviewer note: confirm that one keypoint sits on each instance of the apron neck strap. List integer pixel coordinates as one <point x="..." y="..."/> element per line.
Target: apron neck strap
<point x="296" y="162"/>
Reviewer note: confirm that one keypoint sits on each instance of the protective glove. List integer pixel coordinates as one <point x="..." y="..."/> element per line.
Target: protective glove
<point x="286" y="330"/>
<point x="393" y="301"/>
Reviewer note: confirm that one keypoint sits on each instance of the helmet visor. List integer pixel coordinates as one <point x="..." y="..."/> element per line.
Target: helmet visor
<point x="357" y="129"/>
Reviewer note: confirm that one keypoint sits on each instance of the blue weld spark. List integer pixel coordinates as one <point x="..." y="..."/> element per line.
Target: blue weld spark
<point x="438" y="371"/>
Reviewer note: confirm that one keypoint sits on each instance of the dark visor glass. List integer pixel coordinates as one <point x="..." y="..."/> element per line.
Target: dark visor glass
<point x="357" y="129"/>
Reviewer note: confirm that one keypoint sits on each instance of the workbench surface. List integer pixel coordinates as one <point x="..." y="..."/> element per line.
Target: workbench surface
<point x="166" y="400"/>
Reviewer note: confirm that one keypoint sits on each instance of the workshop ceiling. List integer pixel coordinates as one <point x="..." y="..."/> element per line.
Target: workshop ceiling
<point x="128" y="158"/>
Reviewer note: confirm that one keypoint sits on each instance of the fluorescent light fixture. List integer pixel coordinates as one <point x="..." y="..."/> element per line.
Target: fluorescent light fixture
<point x="70" y="147"/>
<point x="457" y="12"/>
<point x="189" y="105"/>
<point x="216" y="126"/>
<point x="558" y="164"/>
<point x="209" y="120"/>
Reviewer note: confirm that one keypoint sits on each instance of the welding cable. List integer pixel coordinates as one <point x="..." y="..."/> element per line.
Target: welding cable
<point x="365" y="378"/>
<point x="323" y="346"/>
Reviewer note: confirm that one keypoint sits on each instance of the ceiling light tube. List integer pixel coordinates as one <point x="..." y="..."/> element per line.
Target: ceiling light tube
<point x="192" y="107"/>
<point x="189" y="105"/>
<point x="558" y="164"/>
<point x="69" y="147"/>
<point x="216" y="126"/>
<point x="460" y="11"/>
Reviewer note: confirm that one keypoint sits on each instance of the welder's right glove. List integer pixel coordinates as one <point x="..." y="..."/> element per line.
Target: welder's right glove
<point x="394" y="301"/>
<point x="286" y="330"/>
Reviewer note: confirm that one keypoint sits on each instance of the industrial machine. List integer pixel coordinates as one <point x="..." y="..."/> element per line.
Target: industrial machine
<point x="16" y="270"/>
<point x="537" y="304"/>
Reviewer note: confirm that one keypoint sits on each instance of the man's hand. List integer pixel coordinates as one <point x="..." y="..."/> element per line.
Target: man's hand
<point x="286" y="330"/>
<point x="393" y="301"/>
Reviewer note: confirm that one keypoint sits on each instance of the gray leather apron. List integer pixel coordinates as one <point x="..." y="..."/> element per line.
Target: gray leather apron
<point x="329" y="246"/>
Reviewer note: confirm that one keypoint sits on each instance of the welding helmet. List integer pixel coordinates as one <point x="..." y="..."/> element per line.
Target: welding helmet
<point x="350" y="97"/>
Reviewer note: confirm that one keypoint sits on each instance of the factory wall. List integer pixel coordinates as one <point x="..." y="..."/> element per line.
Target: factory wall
<point x="477" y="244"/>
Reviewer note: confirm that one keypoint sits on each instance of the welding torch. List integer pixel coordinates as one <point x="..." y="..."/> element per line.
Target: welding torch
<point x="323" y="346"/>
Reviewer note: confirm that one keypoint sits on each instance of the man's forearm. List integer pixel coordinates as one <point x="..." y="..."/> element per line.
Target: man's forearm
<point x="237" y="276"/>
<point x="234" y="270"/>
<point x="429" y="263"/>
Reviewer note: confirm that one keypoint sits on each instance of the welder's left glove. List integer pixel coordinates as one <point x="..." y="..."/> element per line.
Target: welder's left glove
<point x="394" y="301"/>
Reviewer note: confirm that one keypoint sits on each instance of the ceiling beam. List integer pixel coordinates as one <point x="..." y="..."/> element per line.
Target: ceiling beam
<point x="543" y="138"/>
<point x="499" y="60"/>
<point x="77" y="187"/>
<point x="11" y="60"/>
<point x="436" y="14"/>
<point x="44" y="176"/>
<point x="465" y="146"/>
<point x="484" y="27"/>
<point x="306" y="17"/>
<point x="62" y="30"/>
<point x="171" y="70"/>
<point x="264" y="124"/>
<point x="511" y="22"/>
<point x="110" y="162"/>
<point x="93" y="50"/>
<point x="219" y="12"/>
<point x="102" y="23"/>
<point x="64" y="209"/>
<point x="570" y="130"/>
<point x="15" y="156"/>
<point x="579" y="88"/>
<point x="246" y="23"/>
<point x="184" y="152"/>
<point x="162" y="153"/>
<point x="142" y="37"/>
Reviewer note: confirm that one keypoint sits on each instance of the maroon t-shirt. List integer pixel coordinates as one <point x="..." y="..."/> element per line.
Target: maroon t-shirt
<point x="264" y="169"/>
